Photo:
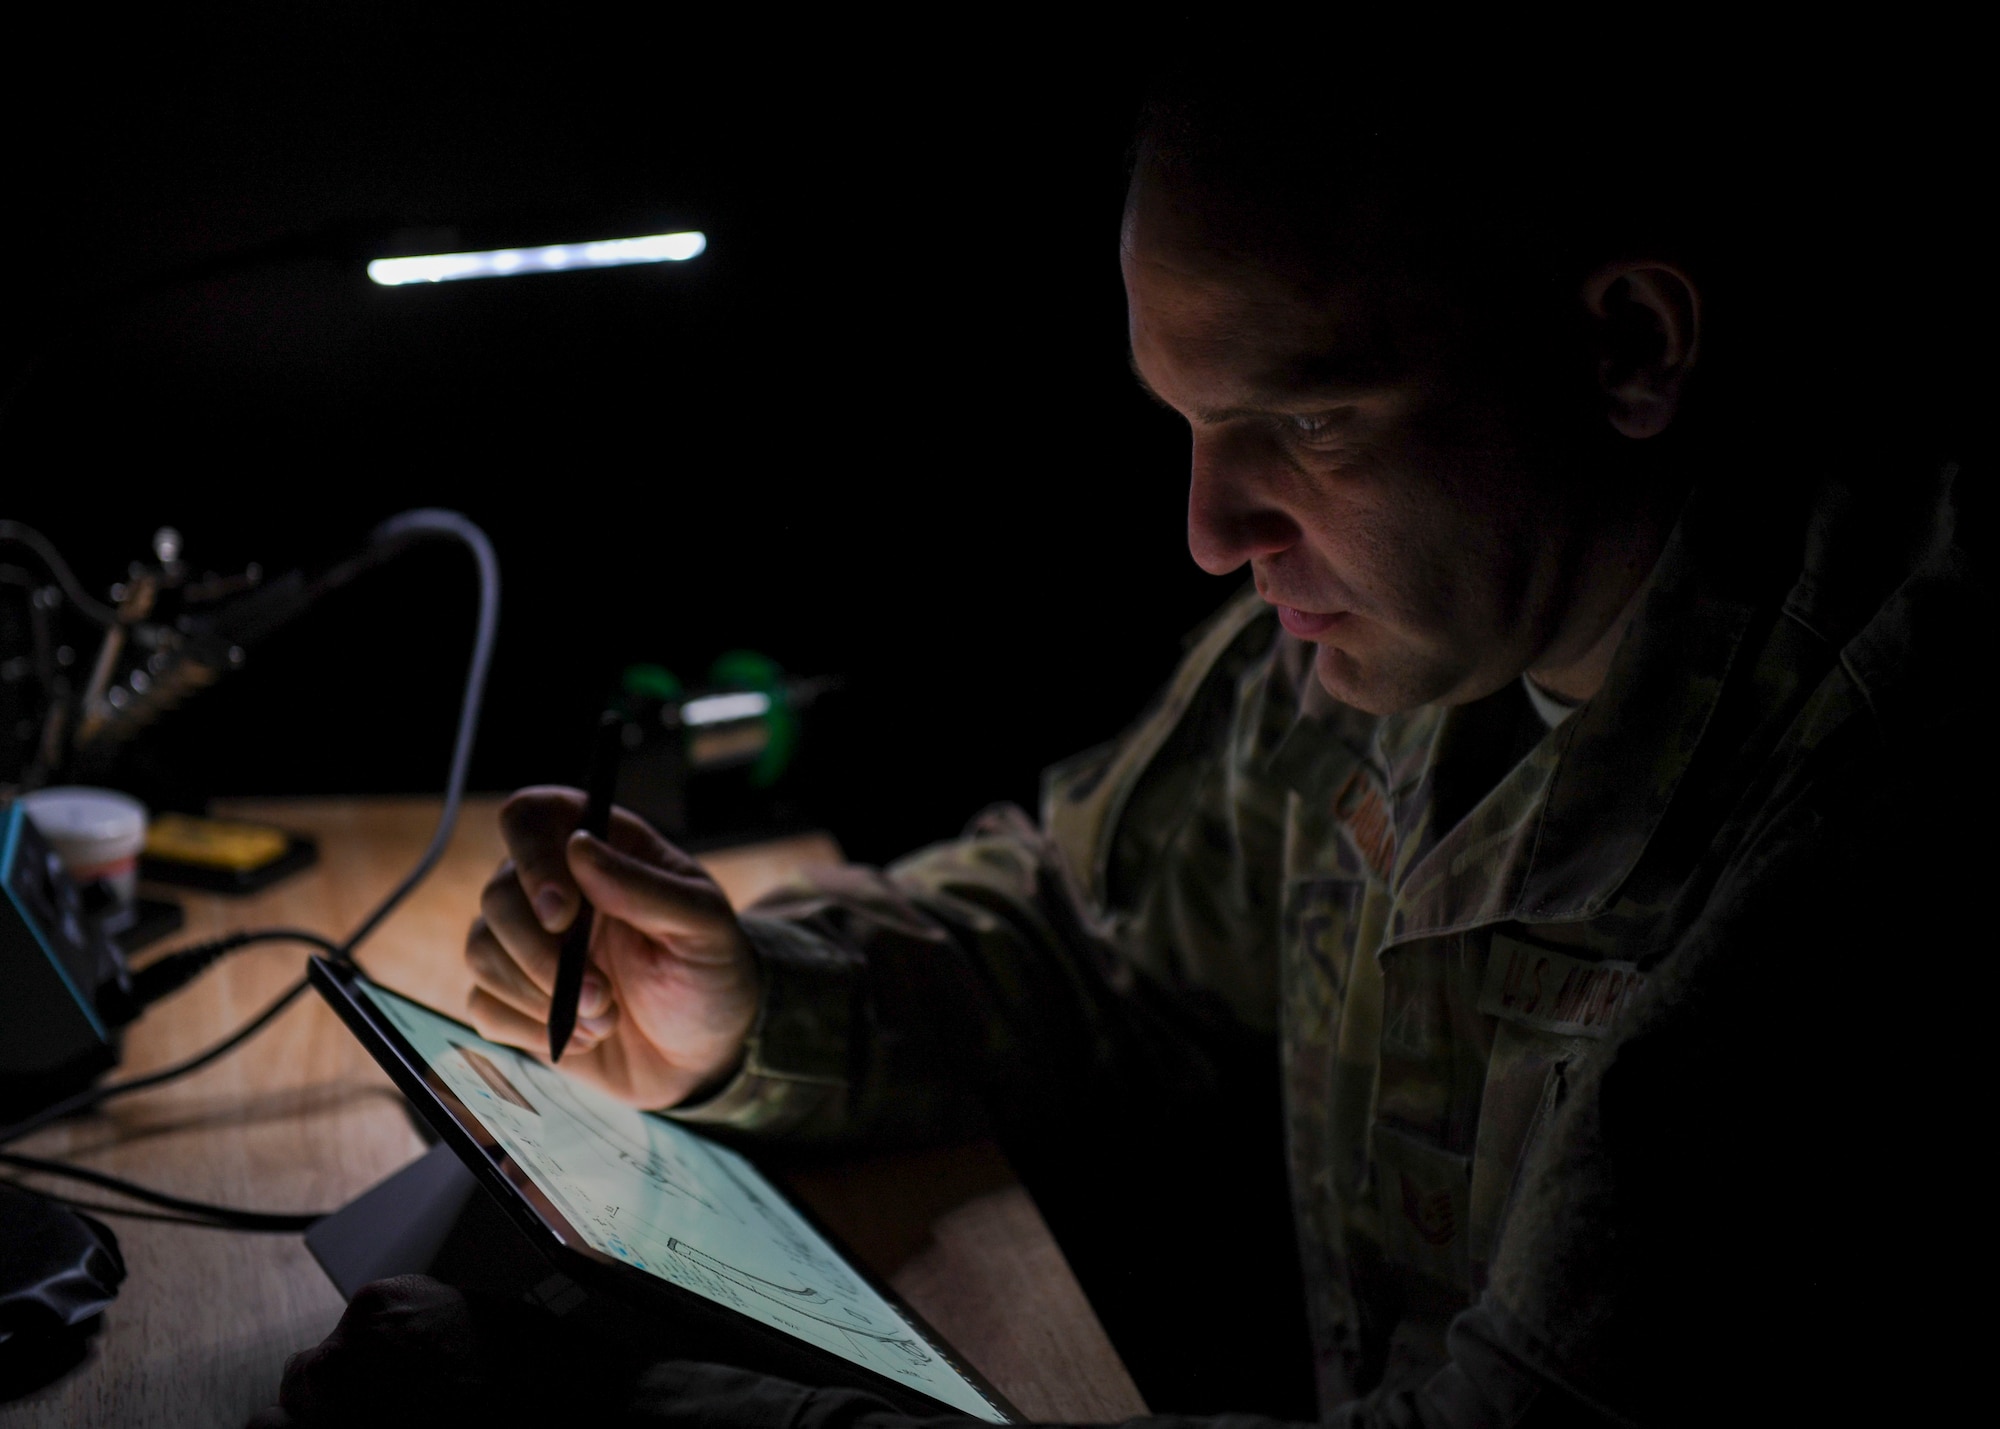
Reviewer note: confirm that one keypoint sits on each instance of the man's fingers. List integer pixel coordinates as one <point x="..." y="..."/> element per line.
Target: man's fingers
<point x="495" y="969"/>
<point x="497" y="1022"/>
<point x="403" y="1352"/>
<point x="503" y="907"/>
<point x="631" y="834"/>
<point x="536" y="824"/>
<point x="659" y="902"/>
<point x="307" y="1391"/>
<point x="413" y="1312"/>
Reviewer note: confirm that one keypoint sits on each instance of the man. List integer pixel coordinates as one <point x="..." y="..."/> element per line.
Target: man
<point x="1551" y="794"/>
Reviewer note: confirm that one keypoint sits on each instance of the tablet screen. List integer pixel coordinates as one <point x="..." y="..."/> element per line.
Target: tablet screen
<point x="648" y="1192"/>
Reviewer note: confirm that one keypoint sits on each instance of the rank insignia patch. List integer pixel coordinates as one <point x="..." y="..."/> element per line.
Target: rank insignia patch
<point x="1364" y="816"/>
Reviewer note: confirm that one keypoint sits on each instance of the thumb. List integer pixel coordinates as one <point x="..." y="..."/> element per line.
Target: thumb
<point x="658" y="902"/>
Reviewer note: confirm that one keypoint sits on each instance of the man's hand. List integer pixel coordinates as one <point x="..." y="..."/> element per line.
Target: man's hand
<point x="404" y="1353"/>
<point x="411" y="1353"/>
<point x="672" y="988"/>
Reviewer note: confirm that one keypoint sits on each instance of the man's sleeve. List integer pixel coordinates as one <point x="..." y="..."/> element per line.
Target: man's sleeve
<point x="1099" y="954"/>
<point x="1763" y="1206"/>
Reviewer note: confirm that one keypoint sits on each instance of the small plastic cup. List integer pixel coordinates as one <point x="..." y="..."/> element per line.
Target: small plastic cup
<point x="97" y="833"/>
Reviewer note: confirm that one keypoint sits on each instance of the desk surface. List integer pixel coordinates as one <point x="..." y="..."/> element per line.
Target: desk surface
<point x="302" y="1119"/>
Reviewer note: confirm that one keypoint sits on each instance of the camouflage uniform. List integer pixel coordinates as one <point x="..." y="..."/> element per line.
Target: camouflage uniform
<point x="1481" y="942"/>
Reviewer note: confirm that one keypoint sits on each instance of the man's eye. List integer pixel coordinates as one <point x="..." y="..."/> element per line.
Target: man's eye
<point x="1318" y="429"/>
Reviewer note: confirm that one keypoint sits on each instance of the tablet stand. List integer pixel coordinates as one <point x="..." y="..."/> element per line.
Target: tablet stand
<point x="432" y="1218"/>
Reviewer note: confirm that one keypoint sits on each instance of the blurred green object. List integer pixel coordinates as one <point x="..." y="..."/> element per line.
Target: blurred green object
<point x="748" y="670"/>
<point x="650" y="682"/>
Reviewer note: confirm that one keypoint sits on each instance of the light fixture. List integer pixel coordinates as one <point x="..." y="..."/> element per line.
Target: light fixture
<point x="553" y="258"/>
<point x="721" y="709"/>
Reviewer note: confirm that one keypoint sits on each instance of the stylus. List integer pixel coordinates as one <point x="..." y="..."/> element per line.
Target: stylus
<point x="575" y="956"/>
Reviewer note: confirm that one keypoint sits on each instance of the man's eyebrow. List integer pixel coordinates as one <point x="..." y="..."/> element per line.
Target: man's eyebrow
<point x="1319" y="380"/>
<point x="1325" y="379"/>
<point x="1331" y="377"/>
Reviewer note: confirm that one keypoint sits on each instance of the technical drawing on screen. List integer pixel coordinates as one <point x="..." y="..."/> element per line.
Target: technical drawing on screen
<point x="660" y="1198"/>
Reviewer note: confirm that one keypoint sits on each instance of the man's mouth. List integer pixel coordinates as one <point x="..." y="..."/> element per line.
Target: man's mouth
<point x="1307" y="624"/>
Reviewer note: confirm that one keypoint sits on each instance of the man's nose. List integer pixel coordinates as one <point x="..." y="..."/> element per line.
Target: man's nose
<point x="1232" y="516"/>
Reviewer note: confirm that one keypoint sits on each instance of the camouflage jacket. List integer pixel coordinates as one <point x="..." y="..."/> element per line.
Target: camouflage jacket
<point x="1527" y="982"/>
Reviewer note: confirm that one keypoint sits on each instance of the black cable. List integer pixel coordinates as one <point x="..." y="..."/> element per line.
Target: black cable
<point x="97" y="1096"/>
<point x="101" y="1208"/>
<point x="72" y="588"/>
<point x="173" y="971"/>
<point x="445" y="523"/>
<point x="228" y="1216"/>
<point x="393" y="533"/>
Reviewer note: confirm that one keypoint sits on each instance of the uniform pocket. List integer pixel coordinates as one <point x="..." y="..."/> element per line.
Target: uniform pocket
<point x="1527" y="1080"/>
<point x="1423" y="1197"/>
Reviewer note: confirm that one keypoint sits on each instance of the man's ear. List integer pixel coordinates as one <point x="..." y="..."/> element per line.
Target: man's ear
<point x="1646" y="326"/>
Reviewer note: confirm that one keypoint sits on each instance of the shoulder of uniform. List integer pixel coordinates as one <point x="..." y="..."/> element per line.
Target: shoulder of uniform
<point x="1082" y="797"/>
<point x="1917" y="659"/>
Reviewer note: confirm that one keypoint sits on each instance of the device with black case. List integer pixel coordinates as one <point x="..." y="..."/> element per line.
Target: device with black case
<point x="629" y="1226"/>
<point x="64" y="986"/>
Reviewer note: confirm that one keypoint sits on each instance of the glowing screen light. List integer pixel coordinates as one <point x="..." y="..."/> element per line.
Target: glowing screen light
<point x="555" y="258"/>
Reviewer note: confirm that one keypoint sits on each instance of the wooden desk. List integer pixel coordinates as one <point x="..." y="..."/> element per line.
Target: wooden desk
<point x="302" y="1119"/>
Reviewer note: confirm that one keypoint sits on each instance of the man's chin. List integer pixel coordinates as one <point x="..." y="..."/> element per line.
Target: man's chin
<point x="1381" y="686"/>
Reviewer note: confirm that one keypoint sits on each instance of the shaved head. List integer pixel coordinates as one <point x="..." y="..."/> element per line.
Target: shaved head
<point x="1413" y="364"/>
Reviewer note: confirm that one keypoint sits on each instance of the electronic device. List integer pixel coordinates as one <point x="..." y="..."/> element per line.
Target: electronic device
<point x="642" y="1228"/>
<point x="718" y="765"/>
<point x="708" y="767"/>
<point x="64" y="986"/>
<point x="166" y="635"/>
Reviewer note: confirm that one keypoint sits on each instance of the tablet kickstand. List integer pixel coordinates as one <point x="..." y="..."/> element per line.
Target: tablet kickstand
<point x="432" y="1218"/>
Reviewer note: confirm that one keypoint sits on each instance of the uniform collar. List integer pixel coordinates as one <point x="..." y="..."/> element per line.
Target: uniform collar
<point x="1559" y="834"/>
<point x="1327" y="739"/>
<point x="1564" y="825"/>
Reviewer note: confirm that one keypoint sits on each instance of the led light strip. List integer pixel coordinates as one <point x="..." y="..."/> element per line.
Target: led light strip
<point x="720" y="709"/>
<point x="556" y="258"/>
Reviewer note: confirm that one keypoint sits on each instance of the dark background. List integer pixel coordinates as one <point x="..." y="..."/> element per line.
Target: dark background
<point x="883" y="428"/>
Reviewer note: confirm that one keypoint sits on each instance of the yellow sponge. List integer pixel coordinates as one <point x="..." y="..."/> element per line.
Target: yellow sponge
<point x="214" y="843"/>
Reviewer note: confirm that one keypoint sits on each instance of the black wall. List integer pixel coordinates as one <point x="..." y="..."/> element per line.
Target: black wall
<point x="882" y="429"/>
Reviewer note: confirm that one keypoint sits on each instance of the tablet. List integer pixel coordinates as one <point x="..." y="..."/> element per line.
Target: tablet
<point x="657" y="1206"/>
